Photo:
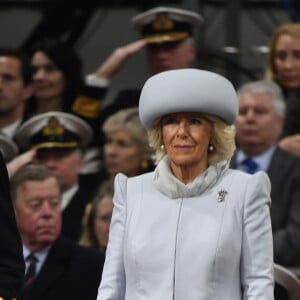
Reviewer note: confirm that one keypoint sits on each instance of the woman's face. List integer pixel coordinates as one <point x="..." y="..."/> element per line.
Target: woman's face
<point x="102" y="220"/>
<point x="121" y="153"/>
<point x="186" y="138"/>
<point x="48" y="80"/>
<point x="287" y="61"/>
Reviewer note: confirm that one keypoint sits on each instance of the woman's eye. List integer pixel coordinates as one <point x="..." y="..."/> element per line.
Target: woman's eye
<point x="297" y="54"/>
<point x="170" y="120"/>
<point x="281" y="55"/>
<point x="195" y="121"/>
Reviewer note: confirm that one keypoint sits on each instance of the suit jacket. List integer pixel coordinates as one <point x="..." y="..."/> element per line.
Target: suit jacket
<point x="69" y="272"/>
<point x="11" y="254"/>
<point x="284" y="174"/>
<point x="73" y="214"/>
<point x="216" y="245"/>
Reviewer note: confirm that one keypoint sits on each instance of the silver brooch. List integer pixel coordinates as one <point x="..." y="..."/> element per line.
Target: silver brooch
<point x="221" y="195"/>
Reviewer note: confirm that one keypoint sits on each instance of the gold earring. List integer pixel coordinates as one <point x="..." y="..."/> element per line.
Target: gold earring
<point x="144" y="164"/>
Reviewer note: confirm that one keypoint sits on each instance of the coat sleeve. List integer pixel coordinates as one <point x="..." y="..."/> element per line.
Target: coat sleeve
<point x="112" y="286"/>
<point x="257" y="247"/>
<point x="11" y="254"/>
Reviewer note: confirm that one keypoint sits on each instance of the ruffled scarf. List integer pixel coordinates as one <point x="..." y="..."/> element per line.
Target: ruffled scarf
<point x="173" y="188"/>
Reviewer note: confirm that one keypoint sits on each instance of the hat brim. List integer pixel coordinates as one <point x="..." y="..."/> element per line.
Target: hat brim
<point x="56" y="145"/>
<point x="166" y="37"/>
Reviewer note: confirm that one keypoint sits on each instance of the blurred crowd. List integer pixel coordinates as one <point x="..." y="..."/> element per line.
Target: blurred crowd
<point x="62" y="148"/>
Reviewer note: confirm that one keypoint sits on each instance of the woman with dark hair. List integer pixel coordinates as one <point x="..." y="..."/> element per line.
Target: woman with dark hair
<point x="58" y="84"/>
<point x="57" y="76"/>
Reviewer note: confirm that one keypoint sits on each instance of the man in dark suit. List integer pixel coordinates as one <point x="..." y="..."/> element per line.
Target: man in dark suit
<point x="259" y="125"/>
<point x="56" y="268"/>
<point x="60" y="140"/>
<point x="11" y="258"/>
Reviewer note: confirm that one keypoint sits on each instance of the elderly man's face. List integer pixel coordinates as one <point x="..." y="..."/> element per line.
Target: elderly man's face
<point x="38" y="212"/>
<point x="170" y="55"/>
<point x="258" y="125"/>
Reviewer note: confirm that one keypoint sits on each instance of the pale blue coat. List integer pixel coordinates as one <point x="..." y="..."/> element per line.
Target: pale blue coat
<point x="214" y="246"/>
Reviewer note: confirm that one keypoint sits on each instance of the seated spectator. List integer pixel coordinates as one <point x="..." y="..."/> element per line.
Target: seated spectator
<point x="16" y="89"/>
<point x="126" y="149"/>
<point x="58" y="85"/>
<point x="56" y="268"/>
<point x="258" y="127"/>
<point x="283" y="67"/>
<point x="97" y="220"/>
<point x="60" y="140"/>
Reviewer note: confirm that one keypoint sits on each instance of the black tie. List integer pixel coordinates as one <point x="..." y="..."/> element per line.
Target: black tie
<point x="251" y="165"/>
<point x="31" y="270"/>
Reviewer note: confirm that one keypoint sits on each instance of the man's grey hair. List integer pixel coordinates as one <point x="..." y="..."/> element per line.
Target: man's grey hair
<point x="265" y="86"/>
<point x="31" y="172"/>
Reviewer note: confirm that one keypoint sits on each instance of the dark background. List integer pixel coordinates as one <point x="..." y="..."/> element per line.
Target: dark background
<point x="233" y="40"/>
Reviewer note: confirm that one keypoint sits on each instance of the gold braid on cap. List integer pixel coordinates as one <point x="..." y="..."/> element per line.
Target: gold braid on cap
<point x="163" y="22"/>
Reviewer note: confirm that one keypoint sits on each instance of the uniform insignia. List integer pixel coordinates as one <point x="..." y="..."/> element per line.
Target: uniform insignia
<point x="221" y="195"/>
<point x="53" y="128"/>
<point x="163" y="22"/>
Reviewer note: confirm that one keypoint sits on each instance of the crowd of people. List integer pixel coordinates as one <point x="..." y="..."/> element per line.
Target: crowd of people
<point x="149" y="195"/>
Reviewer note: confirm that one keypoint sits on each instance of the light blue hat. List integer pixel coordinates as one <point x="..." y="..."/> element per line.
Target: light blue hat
<point x="187" y="90"/>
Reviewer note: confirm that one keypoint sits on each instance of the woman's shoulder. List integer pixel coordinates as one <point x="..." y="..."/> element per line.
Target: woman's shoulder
<point x="259" y="178"/>
<point x="123" y="179"/>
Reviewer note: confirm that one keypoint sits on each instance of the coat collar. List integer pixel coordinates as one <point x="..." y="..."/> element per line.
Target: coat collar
<point x="170" y="186"/>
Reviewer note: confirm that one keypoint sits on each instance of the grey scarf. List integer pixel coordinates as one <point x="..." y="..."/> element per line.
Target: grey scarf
<point x="173" y="188"/>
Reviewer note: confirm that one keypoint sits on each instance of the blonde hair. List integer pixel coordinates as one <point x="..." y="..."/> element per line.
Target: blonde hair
<point x="88" y="237"/>
<point x="129" y="119"/>
<point x="223" y="140"/>
<point x="292" y="29"/>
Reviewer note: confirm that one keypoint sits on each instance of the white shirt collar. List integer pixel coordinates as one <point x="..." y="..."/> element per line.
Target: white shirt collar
<point x="11" y="129"/>
<point x="68" y="195"/>
<point x="41" y="256"/>
<point x="263" y="159"/>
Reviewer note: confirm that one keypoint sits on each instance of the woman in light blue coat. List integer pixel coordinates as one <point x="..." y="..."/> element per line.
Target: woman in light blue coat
<point x="193" y="229"/>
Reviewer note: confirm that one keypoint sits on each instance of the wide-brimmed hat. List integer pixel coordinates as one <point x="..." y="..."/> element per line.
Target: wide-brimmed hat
<point x="187" y="90"/>
<point x="54" y="130"/>
<point x="166" y="24"/>
<point x="8" y="148"/>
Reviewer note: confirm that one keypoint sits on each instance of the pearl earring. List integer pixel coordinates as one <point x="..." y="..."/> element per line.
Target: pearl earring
<point x="211" y="148"/>
<point x="162" y="147"/>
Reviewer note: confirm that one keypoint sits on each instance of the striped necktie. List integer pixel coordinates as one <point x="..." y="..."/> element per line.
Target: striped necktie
<point x="31" y="270"/>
